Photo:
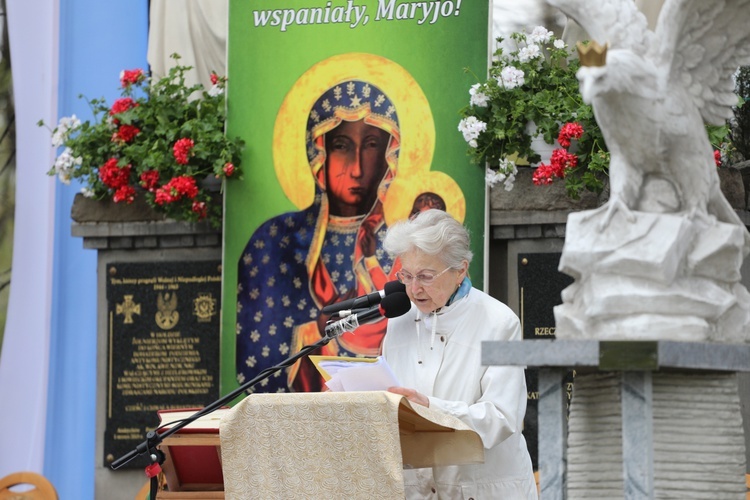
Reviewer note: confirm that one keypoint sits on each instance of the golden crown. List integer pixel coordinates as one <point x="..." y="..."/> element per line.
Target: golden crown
<point x="592" y="54"/>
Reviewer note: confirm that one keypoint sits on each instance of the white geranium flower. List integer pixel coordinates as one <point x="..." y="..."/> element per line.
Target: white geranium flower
<point x="492" y="177"/>
<point x="510" y="78"/>
<point x="87" y="192"/>
<point x="58" y="138"/>
<point x="66" y="125"/>
<point x="508" y="167"/>
<point x="478" y="97"/>
<point x="63" y="173"/>
<point x="471" y="127"/>
<point x="559" y="44"/>
<point x="529" y="52"/>
<point x="215" y="90"/>
<point x="540" y="34"/>
<point x="505" y="173"/>
<point x="64" y="164"/>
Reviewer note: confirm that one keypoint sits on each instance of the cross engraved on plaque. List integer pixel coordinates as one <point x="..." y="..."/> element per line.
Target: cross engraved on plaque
<point x="128" y="308"/>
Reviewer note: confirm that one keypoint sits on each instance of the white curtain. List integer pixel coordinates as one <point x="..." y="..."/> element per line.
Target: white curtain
<point x="24" y="367"/>
<point x="194" y="29"/>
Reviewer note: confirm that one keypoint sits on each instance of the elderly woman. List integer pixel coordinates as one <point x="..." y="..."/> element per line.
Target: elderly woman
<point x="435" y="349"/>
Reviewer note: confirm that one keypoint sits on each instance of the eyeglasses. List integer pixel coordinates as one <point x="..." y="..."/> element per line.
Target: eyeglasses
<point x="424" y="279"/>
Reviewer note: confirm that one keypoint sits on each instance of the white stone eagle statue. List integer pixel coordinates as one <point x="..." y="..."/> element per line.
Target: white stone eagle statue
<point x="661" y="260"/>
<point x="653" y="92"/>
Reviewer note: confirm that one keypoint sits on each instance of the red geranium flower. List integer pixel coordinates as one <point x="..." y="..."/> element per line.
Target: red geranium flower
<point x="131" y="76"/>
<point x="112" y="176"/>
<point x="228" y="169"/>
<point x="163" y="196"/>
<point x="122" y="104"/>
<point x="562" y="159"/>
<point x="185" y="186"/>
<point x="125" y="133"/>
<point x="176" y="189"/>
<point x="543" y="175"/>
<point x="717" y="157"/>
<point x="124" y="193"/>
<point x="181" y="150"/>
<point x="214" y="78"/>
<point x="569" y="131"/>
<point x="200" y="208"/>
<point x="149" y="180"/>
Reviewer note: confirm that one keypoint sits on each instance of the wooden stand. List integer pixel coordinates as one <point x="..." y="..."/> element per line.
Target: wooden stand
<point x="192" y="467"/>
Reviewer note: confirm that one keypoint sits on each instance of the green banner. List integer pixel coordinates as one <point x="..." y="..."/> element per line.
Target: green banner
<point x="350" y="111"/>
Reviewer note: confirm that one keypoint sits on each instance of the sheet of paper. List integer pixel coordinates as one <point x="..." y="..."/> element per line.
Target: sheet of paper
<point x="357" y="376"/>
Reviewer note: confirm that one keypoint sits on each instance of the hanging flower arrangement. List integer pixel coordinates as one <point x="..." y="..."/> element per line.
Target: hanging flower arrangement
<point x="161" y="140"/>
<point x="532" y="91"/>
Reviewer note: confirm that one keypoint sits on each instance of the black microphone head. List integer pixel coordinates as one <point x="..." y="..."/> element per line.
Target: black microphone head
<point x="395" y="304"/>
<point x="394" y="287"/>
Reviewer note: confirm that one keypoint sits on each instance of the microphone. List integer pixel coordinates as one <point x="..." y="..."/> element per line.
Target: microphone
<point x="395" y="304"/>
<point x="368" y="300"/>
<point x="346" y="312"/>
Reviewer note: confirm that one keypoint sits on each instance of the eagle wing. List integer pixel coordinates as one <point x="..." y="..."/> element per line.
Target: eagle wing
<point x="172" y="301"/>
<point x="703" y="43"/>
<point x="616" y="22"/>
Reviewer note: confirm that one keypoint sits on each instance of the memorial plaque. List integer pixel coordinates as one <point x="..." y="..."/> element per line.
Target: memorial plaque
<point x="163" y="346"/>
<point x="540" y="285"/>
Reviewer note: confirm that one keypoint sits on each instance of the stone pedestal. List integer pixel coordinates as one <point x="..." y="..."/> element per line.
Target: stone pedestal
<point x="649" y="419"/>
<point x="132" y="235"/>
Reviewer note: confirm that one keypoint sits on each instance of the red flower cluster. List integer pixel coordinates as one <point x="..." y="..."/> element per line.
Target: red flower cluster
<point x="124" y="193"/>
<point x="125" y="133"/>
<point x="717" y="157"/>
<point x="176" y="189"/>
<point x="131" y="77"/>
<point x="228" y="169"/>
<point x="561" y="159"/>
<point x="149" y="180"/>
<point x="200" y="208"/>
<point x="112" y="176"/>
<point x="181" y="150"/>
<point x="216" y="79"/>
<point x="569" y="131"/>
<point x="121" y="105"/>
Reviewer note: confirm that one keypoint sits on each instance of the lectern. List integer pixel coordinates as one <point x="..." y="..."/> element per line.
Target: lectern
<point x="336" y="445"/>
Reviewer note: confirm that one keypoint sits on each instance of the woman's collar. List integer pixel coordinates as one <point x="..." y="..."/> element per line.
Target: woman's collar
<point x="461" y="292"/>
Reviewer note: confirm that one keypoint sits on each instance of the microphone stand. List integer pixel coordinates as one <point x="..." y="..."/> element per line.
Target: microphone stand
<point x="154" y="438"/>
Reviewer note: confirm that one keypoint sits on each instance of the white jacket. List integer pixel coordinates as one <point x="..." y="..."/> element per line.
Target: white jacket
<point x="492" y="400"/>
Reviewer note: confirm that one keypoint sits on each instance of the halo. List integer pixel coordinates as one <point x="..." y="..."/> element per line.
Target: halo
<point x="405" y="189"/>
<point x="415" y="118"/>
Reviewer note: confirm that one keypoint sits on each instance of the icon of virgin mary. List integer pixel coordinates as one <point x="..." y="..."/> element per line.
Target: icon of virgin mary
<point x="298" y="262"/>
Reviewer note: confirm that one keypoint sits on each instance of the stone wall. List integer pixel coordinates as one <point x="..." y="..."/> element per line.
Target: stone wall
<point x="130" y="234"/>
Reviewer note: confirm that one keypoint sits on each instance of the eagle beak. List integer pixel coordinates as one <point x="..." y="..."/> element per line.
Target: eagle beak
<point x="585" y="84"/>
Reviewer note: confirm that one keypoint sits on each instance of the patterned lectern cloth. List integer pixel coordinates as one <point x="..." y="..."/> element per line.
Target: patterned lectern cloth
<point x="330" y="445"/>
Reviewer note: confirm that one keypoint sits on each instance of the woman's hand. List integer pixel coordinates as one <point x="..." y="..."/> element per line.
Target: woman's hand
<point x="412" y="395"/>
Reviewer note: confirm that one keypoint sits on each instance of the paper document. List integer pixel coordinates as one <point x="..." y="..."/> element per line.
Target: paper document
<point x="355" y="374"/>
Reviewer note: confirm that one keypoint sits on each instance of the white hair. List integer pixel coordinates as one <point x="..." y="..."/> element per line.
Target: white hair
<point x="433" y="232"/>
